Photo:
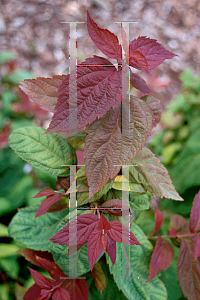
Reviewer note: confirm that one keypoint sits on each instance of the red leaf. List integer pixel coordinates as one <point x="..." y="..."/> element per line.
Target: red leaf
<point x="188" y="270"/>
<point x="53" y="269"/>
<point x="103" y="223"/>
<point x="95" y="247"/>
<point x="33" y="293"/>
<point x="78" y="289"/>
<point x="159" y="219"/>
<point x="111" y="248"/>
<point x="61" y="294"/>
<point x="105" y="40"/>
<point x="117" y="230"/>
<point x="43" y="90"/>
<point x="196" y="246"/>
<point x="30" y="255"/>
<point x="179" y="223"/>
<point x="46" y="204"/>
<point x="173" y="232"/>
<point x="161" y="258"/>
<point x="43" y="282"/>
<point x="46" y="192"/>
<point x="63" y="182"/>
<point x="138" y="61"/>
<point x="4" y="134"/>
<point x="139" y="83"/>
<point x="98" y="90"/>
<point x="195" y="214"/>
<point x="115" y="203"/>
<point x="85" y="225"/>
<point x="154" y="53"/>
<point x="99" y="277"/>
<point x="106" y="148"/>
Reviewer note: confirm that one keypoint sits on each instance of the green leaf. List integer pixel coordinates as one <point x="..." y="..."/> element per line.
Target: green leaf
<point x="47" y="152"/>
<point x="17" y="76"/>
<point x="3" y="230"/>
<point x="109" y="292"/>
<point x="65" y="262"/>
<point x="185" y="173"/>
<point x="139" y="202"/>
<point x="8" y="250"/>
<point x="11" y="266"/>
<point x="133" y="187"/>
<point x="35" y="232"/>
<point x="7" y="56"/>
<point x="136" y="287"/>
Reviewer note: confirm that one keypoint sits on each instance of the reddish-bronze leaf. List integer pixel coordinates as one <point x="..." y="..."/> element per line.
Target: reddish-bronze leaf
<point x="195" y="214"/>
<point x="85" y="225"/>
<point x="98" y="90"/>
<point x="95" y="247"/>
<point x="43" y="282"/>
<point x="179" y="223"/>
<point x="161" y="258"/>
<point x="117" y="204"/>
<point x="99" y="277"/>
<point x="60" y="205"/>
<point x="154" y="53"/>
<point x="173" y="232"/>
<point x="63" y="182"/>
<point x="188" y="270"/>
<point x="111" y="249"/>
<point x="156" y="108"/>
<point x="103" y="223"/>
<point x="47" y="203"/>
<point x="43" y="90"/>
<point x="31" y="254"/>
<point x="118" y="230"/>
<point x="196" y="246"/>
<point x="148" y="171"/>
<point x="61" y="294"/>
<point x="43" y="193"/>
<point x="159" y="219"/>
<point x="138" y="61"/>
<point x="78" y="289"/>
<point x="106" y="148"/>
<point x="105" y="40"/>
<point x="139" y="83"/>
<point x="53" y="269"/>
<point x="32" y="293"/>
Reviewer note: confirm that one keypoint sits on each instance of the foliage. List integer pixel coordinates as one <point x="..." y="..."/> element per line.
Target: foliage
<point x="178" y="142"/>
<point x="73" y="242"/>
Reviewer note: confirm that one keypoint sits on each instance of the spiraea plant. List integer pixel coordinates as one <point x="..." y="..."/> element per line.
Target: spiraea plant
<point x="88" y="250"/>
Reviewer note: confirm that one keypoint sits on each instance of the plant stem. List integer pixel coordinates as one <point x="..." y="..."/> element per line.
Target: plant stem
<point x="172" y="236"/>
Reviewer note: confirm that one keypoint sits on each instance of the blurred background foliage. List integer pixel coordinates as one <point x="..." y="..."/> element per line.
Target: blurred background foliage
<point x="19" y="181"/>
<point x="178" y="143"/>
